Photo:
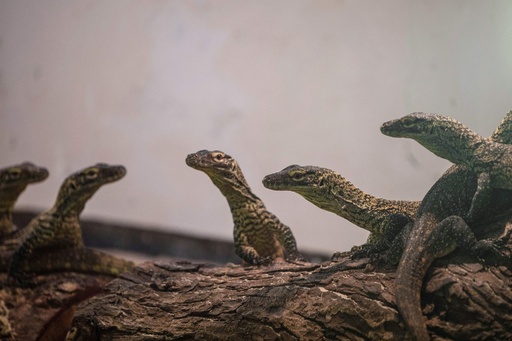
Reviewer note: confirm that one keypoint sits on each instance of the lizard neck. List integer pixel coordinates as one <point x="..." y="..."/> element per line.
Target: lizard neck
<point x="340" y="196"/>
<point x="458" y="144"/>
<point x="356" y="206"/>
<point x="71" y="204"/>
<point x="65" y="217"/>
<point x="237" y="192"/>
<point x="6" y="225"/>
<point x="8" y="197"/>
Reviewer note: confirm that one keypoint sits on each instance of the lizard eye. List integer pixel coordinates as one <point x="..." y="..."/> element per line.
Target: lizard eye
<point x="14" y="174"/>
<point x="91" y="174"/>
<point x="408" y="123"/>
<point x="297" y="175"/>
<point x="218" y="156"/>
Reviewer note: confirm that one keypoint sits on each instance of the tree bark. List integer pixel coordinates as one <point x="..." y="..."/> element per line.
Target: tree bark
<point x="343" y="300"/>
<point x="45" y="311"/>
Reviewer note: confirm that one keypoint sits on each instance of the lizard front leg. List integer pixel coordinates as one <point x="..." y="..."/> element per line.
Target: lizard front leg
<point x="481" y="198"/>
<point x="247" y="252"/>
<point x="454" y="232"/>
<point x="391" y="228"/>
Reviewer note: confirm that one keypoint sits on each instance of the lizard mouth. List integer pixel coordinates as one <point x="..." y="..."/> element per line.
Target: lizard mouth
<point x="113" y="173"/>
<point x="41" y="174"/>
<point x="196" y="162"/>
<point x="395" y="128"/>
<point x="268" y="183"/>
<point x="387" y="128"/>
<point x="192" y="160"/>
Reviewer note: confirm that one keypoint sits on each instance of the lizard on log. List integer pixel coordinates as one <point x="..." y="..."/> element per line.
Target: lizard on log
<point x="259" y="236"/>
<point x="53" y="240"/>
<point x="13" y="181"/>
<point x="458" y="198"/>
<point x="330" y="191"/>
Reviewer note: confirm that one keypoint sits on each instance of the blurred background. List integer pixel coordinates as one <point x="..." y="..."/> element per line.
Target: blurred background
<point x="272" y="83"/>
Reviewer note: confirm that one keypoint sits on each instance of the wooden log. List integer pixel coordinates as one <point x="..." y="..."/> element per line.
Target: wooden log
<point x="344" y="300"/>
<point x="44" y="311"/>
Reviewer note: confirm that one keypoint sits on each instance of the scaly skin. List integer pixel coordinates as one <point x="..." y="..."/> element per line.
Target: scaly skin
<point x="458" y="198"/>
<point x="330" y="191"/>
<point x="452" y="140"/>
<point x="59" y="229"/>
<point x="259" y="236"/>
<point x="13" y="181"/>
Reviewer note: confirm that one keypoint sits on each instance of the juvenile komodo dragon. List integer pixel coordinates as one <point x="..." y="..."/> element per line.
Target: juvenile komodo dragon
<point x="13" y="181"/>
<point x="53" y="240"/>
<point x="455" y="142"/>
<point x="457" y="199"/>
<point x="330" y="191"/>
<point x="259" y="236"/>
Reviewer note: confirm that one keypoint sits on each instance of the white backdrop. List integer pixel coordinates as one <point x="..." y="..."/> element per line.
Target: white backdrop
<point x="273" y="83"/>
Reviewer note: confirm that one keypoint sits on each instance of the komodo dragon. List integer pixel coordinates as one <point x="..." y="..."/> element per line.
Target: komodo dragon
<point x="383" y="218"/>
<point x="13" y="181"/>
<point x="57" y="231"/>
<point x="458" y="198"/>
<point x="259" y="236"/>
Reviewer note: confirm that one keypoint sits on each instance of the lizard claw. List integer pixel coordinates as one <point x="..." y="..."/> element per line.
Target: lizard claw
<point x="489" y="251"/>
<point x="368" y="250"/>
<point x="296" y="257"/>
<point x="337" y="256"/>
<point x="263" y="261"/>
<point x="362" y="251"/>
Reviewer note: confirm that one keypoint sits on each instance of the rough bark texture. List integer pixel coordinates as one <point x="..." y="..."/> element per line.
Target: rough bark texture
<point x="345" y="300"/>
<point x="182" y="300"/>
<point x="45" y="311"/>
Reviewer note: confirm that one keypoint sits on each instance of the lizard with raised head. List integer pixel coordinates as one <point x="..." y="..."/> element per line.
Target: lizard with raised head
<point x="459" y="197"/>
<point x="452" y="140"/>
<point x="330" y="191"/>
<point x="58" y="229"/>
<point x="13" y="181"/>
<point x="259" y="236"/>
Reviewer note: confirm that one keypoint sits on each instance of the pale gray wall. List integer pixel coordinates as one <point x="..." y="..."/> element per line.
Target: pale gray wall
<point x="144" y="83"/>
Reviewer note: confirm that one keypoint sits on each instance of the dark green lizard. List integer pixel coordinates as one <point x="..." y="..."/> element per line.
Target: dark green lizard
<point x="58" y="230"/>
<point x="458" y="198"/>
<point x="13" y="181"/>
<point x="383" y="218"/>
<point x="259" y="236"/>
<point x="452" y="140"/>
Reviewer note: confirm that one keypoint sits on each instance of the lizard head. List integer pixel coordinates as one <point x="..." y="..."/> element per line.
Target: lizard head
<point x="442" y="135"/>
<point x="21" y="175"/>
<point x="413" y="126"/>
<point x="425" y="127"/>
<point x="296" y="178"/>
<point x="320" y="186"/>
<point x="83" y="184"/>
<point x="214" y="163"/>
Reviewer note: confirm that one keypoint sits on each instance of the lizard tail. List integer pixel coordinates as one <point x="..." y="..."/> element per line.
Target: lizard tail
<point x="82" y="260"/>
<point x="408" y="283"/>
